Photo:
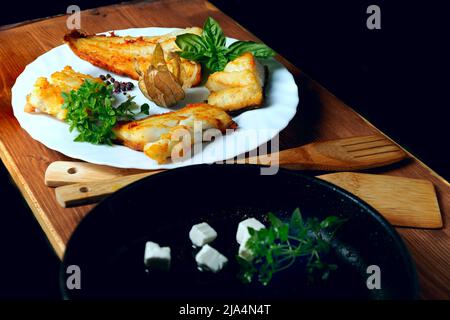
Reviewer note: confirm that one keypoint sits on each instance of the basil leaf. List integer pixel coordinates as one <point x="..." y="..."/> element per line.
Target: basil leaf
<point x="192" y="46"/>
<point x="210" y="48"/>
<point x="216" y="62"/>
<point x="259" y="50"/>
<point x="213" y="34"/>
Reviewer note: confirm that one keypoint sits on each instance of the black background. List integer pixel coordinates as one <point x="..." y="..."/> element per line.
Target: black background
<point x="397" y="77"/>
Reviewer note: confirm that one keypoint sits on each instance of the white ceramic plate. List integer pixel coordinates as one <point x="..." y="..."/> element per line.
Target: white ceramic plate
<point x="255" y="126"/>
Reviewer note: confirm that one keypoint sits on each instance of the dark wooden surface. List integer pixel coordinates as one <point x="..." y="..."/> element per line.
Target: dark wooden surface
<point x="321" y="116"/>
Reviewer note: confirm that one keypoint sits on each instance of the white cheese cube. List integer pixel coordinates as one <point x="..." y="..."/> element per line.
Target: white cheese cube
<point x="202" y="234"/>
<point x="242" y="234"/>
<point x="211" y="258"/>
<point x="156" y="257"/>
<point x="244" y="252"/>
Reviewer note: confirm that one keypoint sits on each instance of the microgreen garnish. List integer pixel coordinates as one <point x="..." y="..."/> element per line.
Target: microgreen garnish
<point x="277" y="247"/>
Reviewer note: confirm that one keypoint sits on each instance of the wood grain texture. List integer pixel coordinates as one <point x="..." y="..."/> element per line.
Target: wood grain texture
<point x="321" y="116"/>
<point x="402" y="201"/>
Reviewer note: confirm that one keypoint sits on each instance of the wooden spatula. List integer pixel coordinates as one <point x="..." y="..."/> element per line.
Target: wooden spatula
<point x="346" y="154"/>
<point x="403" y="201"/>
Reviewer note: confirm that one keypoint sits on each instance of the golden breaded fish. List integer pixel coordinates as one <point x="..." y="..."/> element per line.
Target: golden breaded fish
<point x="46" y="95"/>
<point x="155" y="134"/>
<point x="238" y="86"/>
<point x="119" y="54"/>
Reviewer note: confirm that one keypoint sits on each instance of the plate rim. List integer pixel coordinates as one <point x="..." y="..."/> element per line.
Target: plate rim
<point x="150" y="166"/>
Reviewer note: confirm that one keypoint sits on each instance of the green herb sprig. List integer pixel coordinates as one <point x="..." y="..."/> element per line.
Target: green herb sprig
<point x="277" y="247"/>
<point x="91" y="111"/>
<point x="210" y="48"/>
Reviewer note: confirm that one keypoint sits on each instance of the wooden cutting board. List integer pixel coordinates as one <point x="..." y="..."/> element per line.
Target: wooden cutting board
<point x="321" y="116"/>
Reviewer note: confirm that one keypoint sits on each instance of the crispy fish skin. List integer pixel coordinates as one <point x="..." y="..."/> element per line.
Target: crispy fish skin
<point x="118" y="54"/>
<point x="46" y="94"/>
<point x="155" y="135"/>
<point x="239" y="86"/>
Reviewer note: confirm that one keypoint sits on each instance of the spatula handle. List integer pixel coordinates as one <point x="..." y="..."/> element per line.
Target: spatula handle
<point x="90" y="192"/>
<point x="60" y="173"/>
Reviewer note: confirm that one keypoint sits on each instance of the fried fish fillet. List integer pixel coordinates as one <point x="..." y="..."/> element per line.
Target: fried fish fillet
<point x="238" y="86"/>
<point x="46" y="95"/>
<point x="118" y="54"/>
<point x="156" y="135"/>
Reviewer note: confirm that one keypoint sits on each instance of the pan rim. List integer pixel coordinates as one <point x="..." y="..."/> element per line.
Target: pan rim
<point x="397" y="239"/>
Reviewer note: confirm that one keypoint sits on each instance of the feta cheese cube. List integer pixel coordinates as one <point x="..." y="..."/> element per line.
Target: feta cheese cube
<point x="202" y="234"/>
<point x="244" y="252"/>
<point x="211" y="258"/>
<point x="157" y="257"/>
<point x="242" y="234"/>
